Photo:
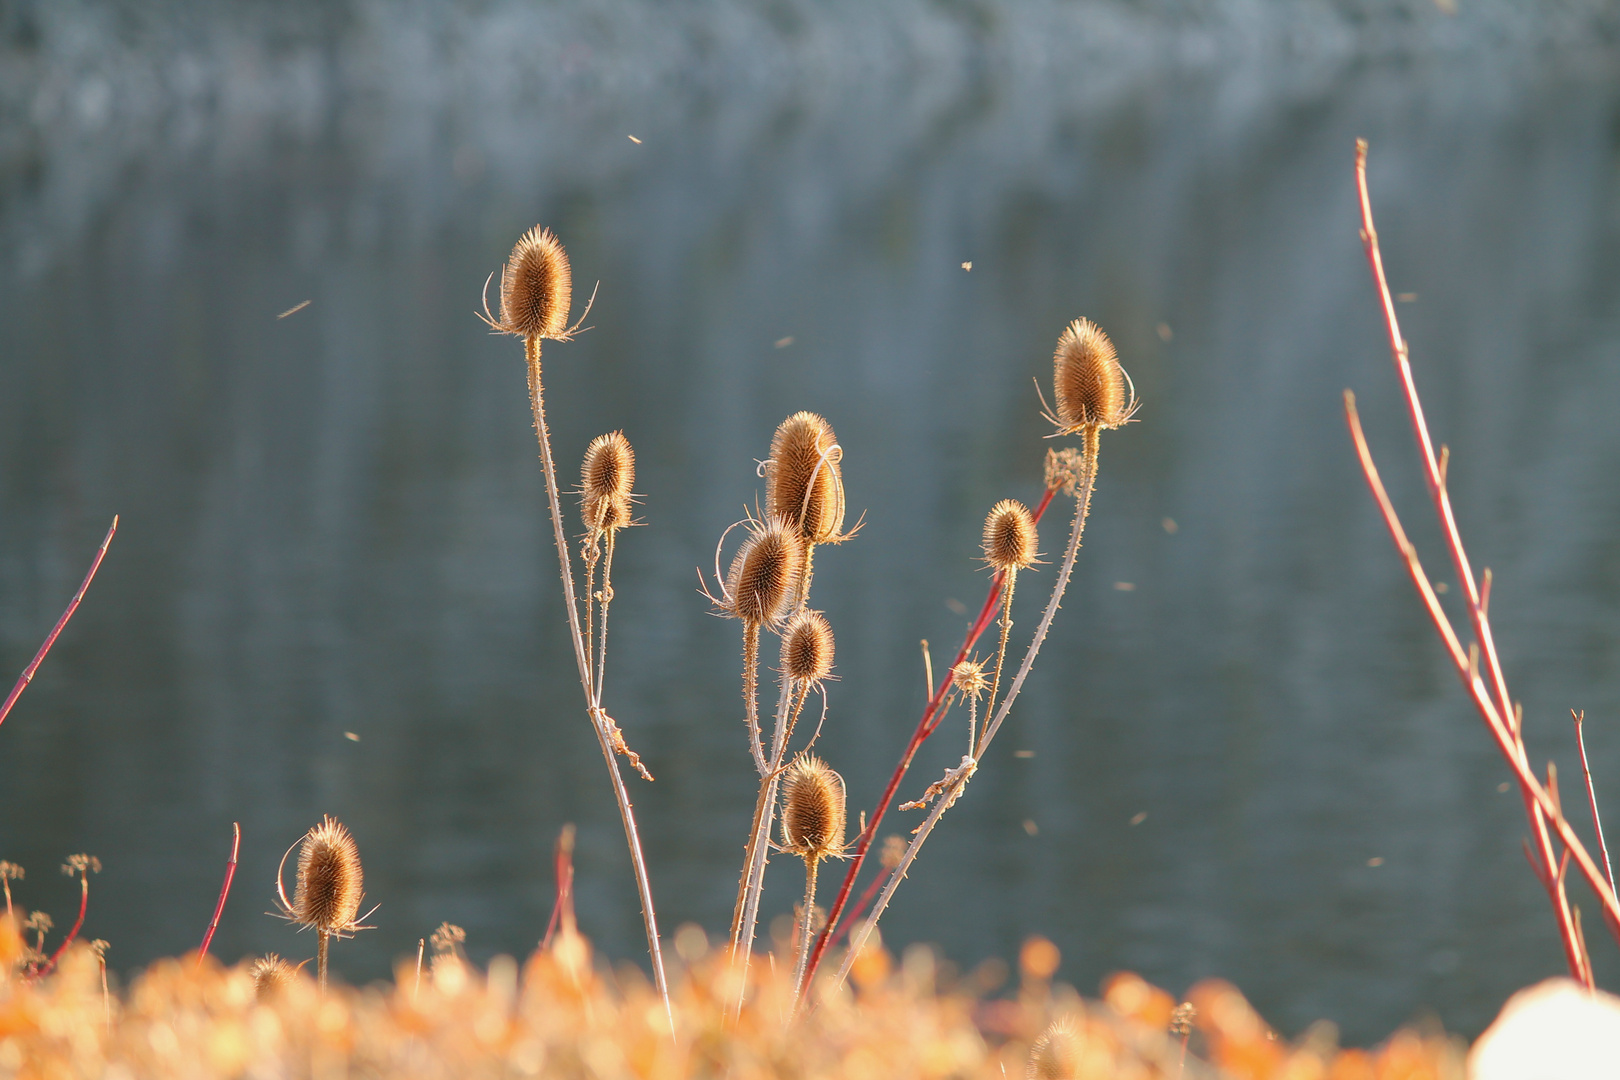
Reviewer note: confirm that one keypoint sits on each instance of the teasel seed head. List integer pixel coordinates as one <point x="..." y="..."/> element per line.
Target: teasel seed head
<point x="812" y="809"/>
<point x="1009" y="536"/>
<point x="803" y="481"/>
<point x="328" y="893"/>
<point x="1090" y="388"/>
<point x="271" y="974"/>
<point x="609" y="467"/>
<point x="969" y="678"/>
<point x="607" y="513"/>
<point x="1063" y="469"/>
<point x="765" y="573"/>
<point x="536" y="287"/>
<point x="1056" y="1054"/>
<point x="807" y="648"/>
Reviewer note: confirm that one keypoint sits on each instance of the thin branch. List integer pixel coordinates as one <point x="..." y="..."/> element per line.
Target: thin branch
<point x="1591" y="794"/>
<point x="224" y="891"/>
<point x="73" y="605"/>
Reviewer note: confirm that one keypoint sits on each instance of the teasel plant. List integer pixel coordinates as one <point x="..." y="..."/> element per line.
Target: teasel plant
<point x="813" y="809"/>
<point x="536" y="295"/>
<point x="328" y="889"/>
<point x="1092" y="394"/>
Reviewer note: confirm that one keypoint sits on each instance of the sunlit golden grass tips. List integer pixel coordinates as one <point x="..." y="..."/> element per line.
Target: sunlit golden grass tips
<point x="1089" y="386"/>
<point x="1009" y="536"/>
<point x="804" y="484"/>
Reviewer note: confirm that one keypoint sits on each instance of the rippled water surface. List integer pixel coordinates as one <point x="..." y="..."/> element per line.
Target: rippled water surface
<point x="1248" y="755"/>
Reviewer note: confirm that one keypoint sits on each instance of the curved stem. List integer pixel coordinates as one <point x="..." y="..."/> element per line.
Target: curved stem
<point x="582" y="659"/>
<point x="224" y="891"/>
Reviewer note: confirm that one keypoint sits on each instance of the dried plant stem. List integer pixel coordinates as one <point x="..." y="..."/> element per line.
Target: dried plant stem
<point x="84" y="902"/>
<point x="932" y="716"/>
<point x="1001" y="649"/>
<point x="224" y="891"/>
<point x="416" y="988"/>
<point x="759" y="842"/>
<point x="1483" y="677"/>
<point x="73" y="605"/>
<point x="322" y="940"/>
<point x="954" y="789"/>
<point x="806" y="923"/>
<point x="750" y="682"/>
<point x="607" y="598"/>
<point x="1591" y="795"/>
<point x="582" y="660"/>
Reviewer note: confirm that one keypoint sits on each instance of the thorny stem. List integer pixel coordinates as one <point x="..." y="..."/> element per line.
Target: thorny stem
<point x="933" y="714"/>
<point x="1591" y="795"/>
<point x="320" y="959"/>
<point x="1006" y="630"/>
<point x="582" y="660"/>
<point x="73" y="605"/>
<point x="948" y="797"/>
<point x="759" y="843"/>
<point x="750" y="680"/>
<point x="1491" y="671"/>
<point x="806" y="921"/>
<point x="224" y="891"/>
<point x="607" y="598"/>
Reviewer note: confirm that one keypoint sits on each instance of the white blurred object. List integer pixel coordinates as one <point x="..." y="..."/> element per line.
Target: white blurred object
<point x="1555" y="1030"/>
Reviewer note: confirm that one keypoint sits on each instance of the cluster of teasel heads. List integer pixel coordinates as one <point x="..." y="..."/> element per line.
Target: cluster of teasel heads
<point x="767" y="589"/>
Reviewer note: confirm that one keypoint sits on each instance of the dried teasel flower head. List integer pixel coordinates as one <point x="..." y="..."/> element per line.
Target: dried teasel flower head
<point x="10" y="871"/>
<point x="606" y="476"/>
<point x="804" y="484"/>
<point x="536" y="288"/>
<point x="969" y="678"/>
<point x="812" y="809"/>
<point x="764" y="574"/>
<point x="1056" y="1054"/>
<point x="1009" y="536"/>
<point x="1089" y="386"/>
<point x="271" y="975"/>
<point x="1063" y="468"/>
<point x="329" y="889"/>
<point x="807" y="648"/>
<point x="448" y="938"/>
<point x="77" y="865"/>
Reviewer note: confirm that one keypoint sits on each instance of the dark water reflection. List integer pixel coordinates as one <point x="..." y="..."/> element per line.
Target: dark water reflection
<point x="333" y="523"/>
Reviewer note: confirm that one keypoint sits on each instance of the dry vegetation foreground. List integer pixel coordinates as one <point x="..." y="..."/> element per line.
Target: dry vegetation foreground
<point x="562" y="1014"/>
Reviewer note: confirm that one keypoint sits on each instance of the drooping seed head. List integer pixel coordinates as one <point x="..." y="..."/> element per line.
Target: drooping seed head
<point x="765" y="573"/>
<point x="1009" y="536"/>
<point x="329" y="890"/>
<point x="969" y="678"/>
<point x="807" y="648"/>
<point x="803" y="481"/>
<point x="1090" y="387"/>
<point x="1056" y="1054"/>
<point x="812" y="809"/>
<point x="536" y="287"/>
<point x="271" y="974"/>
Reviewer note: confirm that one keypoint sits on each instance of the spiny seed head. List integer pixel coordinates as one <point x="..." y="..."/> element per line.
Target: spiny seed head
<point x="1091" y="388"/>
<point x="271" y="974"/>
<point x="1063" y="468"/>
<point x="536" y="287"/>
<point x="969" y="679"/>
<point x="1009" y="536"/>
<point x="765" y="573"/>
<point x="807" y="648"/>
<point x="812" y="809"/>
<point x="329" y="879"/>
<point x="10" y="871"/>
<point x="84" y="865"/>
<point x="1056" y="1054"/>
<point x="803" y="482"/>
<point x="609" y="467"/>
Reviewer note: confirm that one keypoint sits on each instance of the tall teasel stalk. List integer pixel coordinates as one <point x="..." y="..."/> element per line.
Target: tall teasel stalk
<point x="813" y="829"/>
<point x="328" y="890"/>
<point x="1092" y="394"/>
<point x="536" y="293"/>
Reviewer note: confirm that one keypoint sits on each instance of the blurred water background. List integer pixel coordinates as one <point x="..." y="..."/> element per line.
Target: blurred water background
<point x="334" y="522"/>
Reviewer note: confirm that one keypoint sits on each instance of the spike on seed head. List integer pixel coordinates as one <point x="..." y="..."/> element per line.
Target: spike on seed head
<point x="1089" y="386"/>
<point x="328" y="893"/>
<point x="1056" y="1054"/>
<point x="764" y="573"/>
<point x="536" y="287"/>
<point x="1009" y="536"/>
<point x="803" y="480"/>
<point x="812" y="809"/>
<point x="807" y="648"/>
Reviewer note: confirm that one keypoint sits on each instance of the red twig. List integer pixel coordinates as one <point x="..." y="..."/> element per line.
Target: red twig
<point x="28" y="672"/>
<point x="1591" y="795"/>
<point x="562" y="912"/>
<point x="84" y="902"/>
<point x="224" y="891"/>
<point x="1482" y="671"/>
<point x="931" y="719"/>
